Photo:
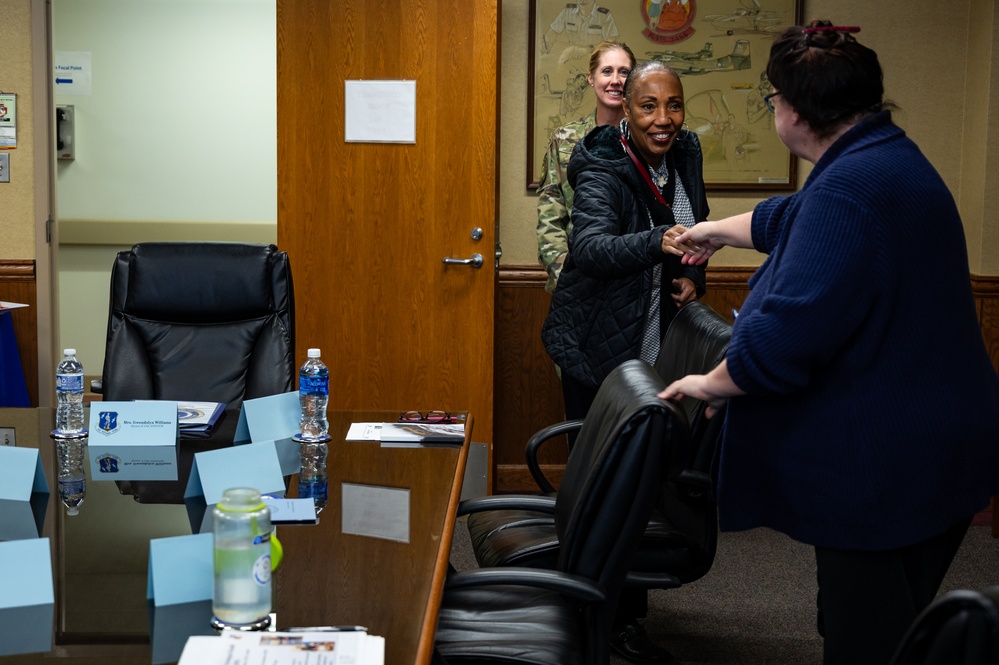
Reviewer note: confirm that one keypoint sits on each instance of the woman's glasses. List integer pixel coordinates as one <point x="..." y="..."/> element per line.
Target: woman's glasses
<point x="770" y="104"/>
<point x="428" y="417"/>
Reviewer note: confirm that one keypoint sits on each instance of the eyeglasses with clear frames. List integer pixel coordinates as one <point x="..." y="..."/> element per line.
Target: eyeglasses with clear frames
<point x="770" y="104"/>
<point x="428" y="417"/>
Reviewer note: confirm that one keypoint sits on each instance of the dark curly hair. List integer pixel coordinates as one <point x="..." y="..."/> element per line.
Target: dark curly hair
<point x="826" y="75"/>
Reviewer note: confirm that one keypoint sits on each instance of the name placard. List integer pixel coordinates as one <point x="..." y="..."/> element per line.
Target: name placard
<point x="133" y="440"/>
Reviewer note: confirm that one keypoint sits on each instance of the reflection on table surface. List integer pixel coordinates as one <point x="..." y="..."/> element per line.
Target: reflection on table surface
<point x="100" y="556"/>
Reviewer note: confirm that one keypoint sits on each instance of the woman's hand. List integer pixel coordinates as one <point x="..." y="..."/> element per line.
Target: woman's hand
<point x="695" y="245"/>
<point x="670" y="245"/>
<point x="715" y="388"/>
<point x="684" y="291"/>
<point x="698" y="387"/>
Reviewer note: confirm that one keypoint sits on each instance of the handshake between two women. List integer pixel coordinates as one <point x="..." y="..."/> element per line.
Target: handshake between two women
<point x="696" y="244"/>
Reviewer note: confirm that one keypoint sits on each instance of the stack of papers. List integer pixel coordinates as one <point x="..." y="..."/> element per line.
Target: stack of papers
<point x="197" y="419"/>
<point x="413" y="433"/>
<point x="291" y="511"/>
<point x="320" y="647"/>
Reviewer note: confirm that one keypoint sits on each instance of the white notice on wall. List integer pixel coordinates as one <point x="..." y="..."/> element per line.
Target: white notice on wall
<point x="72" y="72"/>
<point x="379" y="111"/>
<point x="8" y="120"/>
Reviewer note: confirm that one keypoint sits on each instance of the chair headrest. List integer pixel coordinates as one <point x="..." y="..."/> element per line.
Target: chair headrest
<point x="200" y="282"/>
<point x="695" y="342"/>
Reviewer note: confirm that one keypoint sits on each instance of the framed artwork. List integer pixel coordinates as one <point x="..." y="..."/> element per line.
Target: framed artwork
<point x="720" y="50"/>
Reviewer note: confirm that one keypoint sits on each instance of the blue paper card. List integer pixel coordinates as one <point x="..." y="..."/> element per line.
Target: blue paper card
<point x="254" y="465"/>
<point x="270" y="418"/>
<point x="24" y="493"/>
<point x="180" y="569"/>
<point x="27" y="600"/>
<point x="273" y="418"/>
<point x="21" y="473"/>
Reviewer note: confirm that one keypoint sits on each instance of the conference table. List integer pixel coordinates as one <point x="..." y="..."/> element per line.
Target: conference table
<point x="329" y="577"/>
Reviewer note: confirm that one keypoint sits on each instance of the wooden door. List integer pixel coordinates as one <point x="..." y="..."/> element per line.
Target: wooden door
<point x="366" y="225"/>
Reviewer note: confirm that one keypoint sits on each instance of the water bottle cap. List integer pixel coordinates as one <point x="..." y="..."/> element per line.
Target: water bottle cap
<point x="69" y="352"/>
<point x="240" y="500"/>
<point x="313" y="353"/>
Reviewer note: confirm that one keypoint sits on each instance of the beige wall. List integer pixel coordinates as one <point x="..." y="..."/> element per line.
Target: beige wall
<point x="17" y="198"/>
<point x="940" y="68"/>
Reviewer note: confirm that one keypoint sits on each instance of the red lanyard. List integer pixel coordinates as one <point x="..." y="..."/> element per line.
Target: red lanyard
<point x="644" y="171"/>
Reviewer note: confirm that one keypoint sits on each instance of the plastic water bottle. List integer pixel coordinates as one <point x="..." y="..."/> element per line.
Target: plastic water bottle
<point x="69" y="391"/>
<point x="313" y="393"/>
<point x="241" y="524"/>
<point x="312" y="481"/>
<point x="70" y="452"/>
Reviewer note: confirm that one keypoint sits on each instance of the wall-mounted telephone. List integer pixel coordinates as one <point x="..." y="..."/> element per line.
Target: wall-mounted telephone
<point x="65" y="132"/>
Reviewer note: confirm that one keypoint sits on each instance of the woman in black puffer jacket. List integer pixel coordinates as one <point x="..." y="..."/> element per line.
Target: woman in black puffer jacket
<point x="619" y="289"/>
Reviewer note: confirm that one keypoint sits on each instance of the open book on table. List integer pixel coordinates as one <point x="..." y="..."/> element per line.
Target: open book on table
<point x="413" y="433"/>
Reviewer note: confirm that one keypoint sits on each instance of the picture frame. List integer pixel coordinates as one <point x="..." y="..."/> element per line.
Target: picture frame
<point x="720" y="49"/>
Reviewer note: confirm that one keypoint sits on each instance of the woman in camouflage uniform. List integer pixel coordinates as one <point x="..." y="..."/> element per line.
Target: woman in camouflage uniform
<point x="610" y="63"/>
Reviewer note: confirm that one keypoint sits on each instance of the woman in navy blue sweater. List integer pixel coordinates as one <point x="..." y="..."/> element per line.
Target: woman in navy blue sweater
<point x="862" y="407"/>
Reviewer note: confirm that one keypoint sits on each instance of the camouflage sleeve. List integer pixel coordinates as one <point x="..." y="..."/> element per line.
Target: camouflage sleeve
<point x="553" y="215"/>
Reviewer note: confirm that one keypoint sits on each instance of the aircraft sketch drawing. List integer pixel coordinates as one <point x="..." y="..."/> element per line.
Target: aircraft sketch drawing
<point x="704" y="54"/>
<point x="751" y="19"/>
<point x="702" y="62"/>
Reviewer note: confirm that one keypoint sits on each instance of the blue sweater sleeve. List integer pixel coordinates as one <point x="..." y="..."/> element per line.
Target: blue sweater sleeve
<point x="811" y="295"/>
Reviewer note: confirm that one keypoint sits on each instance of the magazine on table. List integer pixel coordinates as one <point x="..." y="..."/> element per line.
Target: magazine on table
<point x="198" y="417"/>
<point x="405" y="432"/>
<point x="321" y="646"/>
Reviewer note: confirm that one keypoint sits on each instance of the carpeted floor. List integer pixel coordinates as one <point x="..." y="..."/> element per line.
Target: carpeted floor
<point x="757" y="604"/>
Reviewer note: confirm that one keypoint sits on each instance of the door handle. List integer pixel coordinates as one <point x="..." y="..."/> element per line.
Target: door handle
<point x="475" y="261"/>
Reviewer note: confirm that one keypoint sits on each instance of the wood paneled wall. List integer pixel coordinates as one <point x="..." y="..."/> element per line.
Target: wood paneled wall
<point x="527" y="393"/>
<point x="18" y="284"/>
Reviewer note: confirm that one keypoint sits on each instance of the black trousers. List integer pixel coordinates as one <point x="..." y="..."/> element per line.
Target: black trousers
<point x="632" y="603"/>
<point x="868" y="600"/>
<point x="578" y="397"/>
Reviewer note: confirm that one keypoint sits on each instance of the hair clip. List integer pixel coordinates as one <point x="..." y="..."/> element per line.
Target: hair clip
<point x="832" y="28"/>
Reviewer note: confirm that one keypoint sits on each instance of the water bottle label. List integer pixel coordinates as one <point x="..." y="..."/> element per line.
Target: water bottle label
<point x="72" y="486"/>
<point x="315" y="490"/>
<point x="314" y="384"/>
<point x="69" y="382"/>
<point x="262" y="570"/>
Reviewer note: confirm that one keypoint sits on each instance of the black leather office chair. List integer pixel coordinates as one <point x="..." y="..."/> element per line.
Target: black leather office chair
<point x="200" y="321"/>
<point x="958" y="628"/>
<point x="679" y="543"/>
<point x="562" y="616"/>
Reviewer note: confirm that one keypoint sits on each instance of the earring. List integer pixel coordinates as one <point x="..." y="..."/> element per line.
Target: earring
<point x="625" y="130"/>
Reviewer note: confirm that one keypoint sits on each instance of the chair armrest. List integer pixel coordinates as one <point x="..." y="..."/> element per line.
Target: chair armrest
<point x="534" y="444"/>
<point x="645" y="580"/>
<point x="571" y="585"/>
<point x="544" y="504"/>
<point x="97" y="386"/>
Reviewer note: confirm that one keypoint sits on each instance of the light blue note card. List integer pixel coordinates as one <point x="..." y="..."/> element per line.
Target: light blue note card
<point x="21" y="473"/>
<point x="269" y="418"/>
<point x="23" y="493"/>
<point x="181" y="569"/>
<point x="27" y="600"/>
<point x="273" y="418"/>
<point x="253" y="465"/>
